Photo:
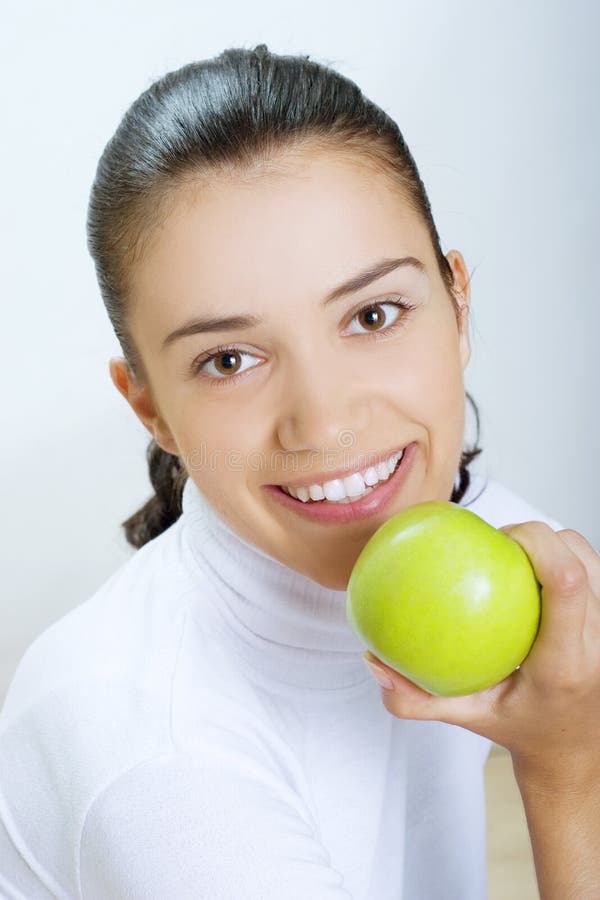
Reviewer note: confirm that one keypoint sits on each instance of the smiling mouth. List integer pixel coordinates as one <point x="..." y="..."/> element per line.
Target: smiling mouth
<point x="349" y="489"/>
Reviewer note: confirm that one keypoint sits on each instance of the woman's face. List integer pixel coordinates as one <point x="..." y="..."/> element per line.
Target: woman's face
<point x="310" y="386"/>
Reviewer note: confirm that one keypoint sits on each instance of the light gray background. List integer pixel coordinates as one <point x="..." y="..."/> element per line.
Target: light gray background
<point x="499" y="103"/>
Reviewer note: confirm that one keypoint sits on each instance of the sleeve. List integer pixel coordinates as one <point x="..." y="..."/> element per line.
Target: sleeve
<point x="18" y="880"/>
<point x="203" y="828"/>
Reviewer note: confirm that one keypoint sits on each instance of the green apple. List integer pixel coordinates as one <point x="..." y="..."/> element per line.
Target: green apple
<point x="444" y="598"/>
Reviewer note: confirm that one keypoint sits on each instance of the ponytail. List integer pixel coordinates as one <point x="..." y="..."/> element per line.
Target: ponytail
<point x="167" y="476"/>
<point x="467" y="456"/>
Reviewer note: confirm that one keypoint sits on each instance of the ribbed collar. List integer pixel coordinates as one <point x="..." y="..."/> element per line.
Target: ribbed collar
<point x="286" y="627"/>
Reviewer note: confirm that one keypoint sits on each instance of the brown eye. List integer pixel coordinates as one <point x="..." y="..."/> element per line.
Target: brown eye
<point x="227" y="363"/>
<point x="372" y="317"/>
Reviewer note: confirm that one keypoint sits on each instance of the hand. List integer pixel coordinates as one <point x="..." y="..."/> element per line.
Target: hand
<point x="547" y="712"/>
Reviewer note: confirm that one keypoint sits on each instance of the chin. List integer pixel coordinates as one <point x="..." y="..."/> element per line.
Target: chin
<point x="334" y="581"/>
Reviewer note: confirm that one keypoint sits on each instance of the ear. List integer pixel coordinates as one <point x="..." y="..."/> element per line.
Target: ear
<point x="462" y="293"/>
<point x="139" y="397"/>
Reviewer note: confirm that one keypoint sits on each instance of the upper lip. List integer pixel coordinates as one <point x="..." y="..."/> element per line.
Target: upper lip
<point x="369" y="458"/>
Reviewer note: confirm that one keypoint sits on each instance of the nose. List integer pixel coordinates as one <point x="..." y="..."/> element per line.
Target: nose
<point x="323" y="409"/>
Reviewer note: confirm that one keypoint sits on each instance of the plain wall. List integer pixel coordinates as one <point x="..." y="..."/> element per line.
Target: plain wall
<point x="499" y="105"/>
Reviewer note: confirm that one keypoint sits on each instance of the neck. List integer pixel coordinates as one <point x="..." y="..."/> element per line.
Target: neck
<point x="287" y="627"/>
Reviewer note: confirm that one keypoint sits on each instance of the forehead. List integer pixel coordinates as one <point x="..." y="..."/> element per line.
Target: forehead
<point x="292" y="228"/>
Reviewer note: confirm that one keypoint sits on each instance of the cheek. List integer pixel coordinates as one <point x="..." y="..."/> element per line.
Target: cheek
<point x="221" y="443"/>
<point x="425" y="371"/>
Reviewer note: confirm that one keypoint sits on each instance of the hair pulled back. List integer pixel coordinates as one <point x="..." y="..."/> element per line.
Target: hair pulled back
<point x="227" y="114"/>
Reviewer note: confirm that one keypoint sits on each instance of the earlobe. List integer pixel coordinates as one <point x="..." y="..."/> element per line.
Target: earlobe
<point x="462" y="294"/>
<point x="135" y="393"/>
<point x="139" y="398"/>
<point x="460" y="277"/>
<point x="463" y="332"/>
<point x="465" y="346"/>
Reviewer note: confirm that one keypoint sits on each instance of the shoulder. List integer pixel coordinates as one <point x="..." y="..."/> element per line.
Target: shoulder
<point x="212" y="823"/>
<point x="141" y="602"/>
<point x="499" y="505"/>
<point x="114" y="695"/>
<point x="91" y="697"/>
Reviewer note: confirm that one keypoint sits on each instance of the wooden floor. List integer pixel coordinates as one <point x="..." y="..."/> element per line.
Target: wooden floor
<point x="511" y="873"/>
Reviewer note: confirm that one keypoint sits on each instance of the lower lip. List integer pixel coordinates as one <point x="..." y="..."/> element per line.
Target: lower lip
<point x="340" y="513"/>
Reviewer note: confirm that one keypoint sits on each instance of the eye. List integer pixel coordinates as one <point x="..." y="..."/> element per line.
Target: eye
<point x="375" y="320"/>
<point x="225" y="364"/>
<point x="226" y="361"/>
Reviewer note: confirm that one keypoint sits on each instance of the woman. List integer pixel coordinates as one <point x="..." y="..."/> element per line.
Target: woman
<point x="294" y="340"/>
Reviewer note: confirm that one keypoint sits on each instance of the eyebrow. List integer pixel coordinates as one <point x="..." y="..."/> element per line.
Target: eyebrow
<point x="243" y="321"/>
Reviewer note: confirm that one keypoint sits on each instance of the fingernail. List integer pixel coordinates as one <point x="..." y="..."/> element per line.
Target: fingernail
<point x="379" y="674"/>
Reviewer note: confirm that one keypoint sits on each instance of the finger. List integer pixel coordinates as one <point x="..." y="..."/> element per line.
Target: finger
<point x="404" y="699"/>
<point x="586" y="553"/>
<point x="565" y="585"/>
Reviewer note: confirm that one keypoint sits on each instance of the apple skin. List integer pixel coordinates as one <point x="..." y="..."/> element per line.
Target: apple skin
<point x="444" y="598"/>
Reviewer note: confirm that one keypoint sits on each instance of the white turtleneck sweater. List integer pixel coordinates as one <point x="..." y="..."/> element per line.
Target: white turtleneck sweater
<point x="204" y="728"/>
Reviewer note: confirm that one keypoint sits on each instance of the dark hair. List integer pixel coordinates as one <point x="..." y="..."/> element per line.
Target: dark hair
<point x="227" y="114"/>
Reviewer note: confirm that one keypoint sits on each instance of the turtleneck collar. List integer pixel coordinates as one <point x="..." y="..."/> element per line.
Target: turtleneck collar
<point x="288" y="627"/>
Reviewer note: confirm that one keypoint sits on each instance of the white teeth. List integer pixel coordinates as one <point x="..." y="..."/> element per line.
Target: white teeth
<point x="316" y="492"/>
<point x="382" y="470"/>
<point x="371" y="476"/>
<point x="334" y="490"/>
<point x="354" y="485"/>
<point x="344" y="490"/>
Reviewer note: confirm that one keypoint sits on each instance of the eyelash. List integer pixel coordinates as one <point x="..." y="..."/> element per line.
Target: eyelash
<point x="201" y="361"/>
